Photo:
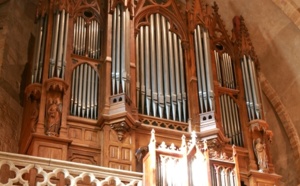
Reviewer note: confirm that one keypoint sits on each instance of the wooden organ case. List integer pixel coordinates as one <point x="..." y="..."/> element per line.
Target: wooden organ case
<point x="106" y="73"/>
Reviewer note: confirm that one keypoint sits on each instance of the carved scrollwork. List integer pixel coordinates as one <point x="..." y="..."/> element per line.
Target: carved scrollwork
<point x="121" y="129"/>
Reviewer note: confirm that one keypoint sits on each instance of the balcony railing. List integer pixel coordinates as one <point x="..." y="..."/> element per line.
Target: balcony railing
<point x="18" y="169"/>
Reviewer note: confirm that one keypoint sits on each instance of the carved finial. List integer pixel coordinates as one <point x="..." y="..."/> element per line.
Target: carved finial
<point x="194" y="138"/>
<point x="152" y="139"/>
<point x="233" y="150"/>
<point x="162" y="145"/>
<point x="172" y="147"/>
<point x="183" y="144"/>
<point x="205" y="145"/>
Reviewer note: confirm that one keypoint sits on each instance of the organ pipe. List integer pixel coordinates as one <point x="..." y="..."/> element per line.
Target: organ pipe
<point x="161" y="70"/>
<point x="204" y="74"/>
<point x="59" y="45"/>
<point x="84" y="92"/>
<point x="251" y="88"/>
<point x="40" y="51"/>
<point x="120" y="51"/>
<point x="230" y="120"/>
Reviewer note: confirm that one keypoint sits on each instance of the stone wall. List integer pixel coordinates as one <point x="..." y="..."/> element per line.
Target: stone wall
<point x="16" y="29"/>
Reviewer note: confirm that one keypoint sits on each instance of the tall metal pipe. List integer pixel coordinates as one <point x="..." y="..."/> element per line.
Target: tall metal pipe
<point x="123" y="48"/>
<point x="218" y="67"/>
<point x="88" y="97"/>
<point x="60" y="44"/>
<point x="76" y="90"/>
<point x="84" y="88"/>
<point x="159" y="65"/>
<point x="93" y="87"/>
<point x="196" y="43"/>
<point x="166" y="67"/>
<point x="177" y="77"/>
<point x="246" y="91"/>
<point x="55" y="40"/>
<point x="118" y="49"/>
<point x="96" y="96"/>
<point x="114" y="54"/>
<point x="147" y="71"/>
<point x="172" y="73"/>
<point x="138" y="81"/>
<point x="142" y="50"/>
<point x="80" y="91"/>
<point x="209" y="78"/>
<point x="65" y="46"/>
<point x="255" y="88"/>
<point x="182" y="78"/>
<point x="153" y="66"/>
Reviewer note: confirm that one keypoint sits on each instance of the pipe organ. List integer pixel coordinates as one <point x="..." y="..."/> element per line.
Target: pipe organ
<point x="105" y="73"/>
<point x="161" y="77"/>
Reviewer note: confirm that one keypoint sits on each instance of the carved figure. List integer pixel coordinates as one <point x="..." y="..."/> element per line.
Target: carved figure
<point x="53" y="119"/>
<point x="260" y="152"/>
<point x="34" y="116"/>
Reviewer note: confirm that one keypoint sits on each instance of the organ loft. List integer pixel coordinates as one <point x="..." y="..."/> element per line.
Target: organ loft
<point x="158" y="87"/>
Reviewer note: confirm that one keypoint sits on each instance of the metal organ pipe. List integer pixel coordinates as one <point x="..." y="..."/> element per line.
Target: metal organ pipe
<point x="84" y="93"/>
<point x="166" y="66"/>
<point x="172" y="74"/>
<point x="161" y="75"/>
<point x="153" y="66"/>
<point x="147" y="70"/>
<point x="159" y="65"/>
<point x="40" y="51"/>
<point x="59" y="44"/>
<point x="230" y="120"/>
<point x="256" y="104"/>
<point x="120" y="58"/>
<point x="204" y="73"/>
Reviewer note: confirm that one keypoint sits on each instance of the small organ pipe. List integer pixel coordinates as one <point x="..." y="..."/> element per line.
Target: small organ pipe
<point x="246" y="70"/>
<point x="138" y="61"/>
<point x="147" y="70"/>
<point x="94" y="86"/>
<point x="76" y="90"/>
<point x="202" y="61"/>
<point x="73" y="91"/>
<point x="88" y="99"/>
<point x="196" y="42"/>
<point x="80" y="91"/>
<point x="142" y="50"/>
<point x="38" y="54"/>
<point x="218" y="66"/>
<point x="166" y="66"/>
<point x="96" y="97"/>
<point x="182" y="78"/>
<point x="208" y="71"/>
<point x="172" y="74"/>
<point x="153" y="66"/>
<point x="84" y="88"/>
<point x="255" y="88"/>
<point x="246" y="92"/>
<point x="223" y="116"/>
<point x="65" y="46"/>
<point x="234" y="122"/>
<point x="177" y="76"/>
<point x="123" y="48"/>
<point x="55" y="40"/>
<point x="40" y="70"/>
<point x="238" y="125"/>
<point x="159" y="65"/>
<point x="114" y="55"/>
<point x="60" y="44"/>
<point x="118" y="48"/>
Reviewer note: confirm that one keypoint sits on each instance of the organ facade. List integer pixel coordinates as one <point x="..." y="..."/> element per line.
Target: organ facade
<point x="106" y="73"/>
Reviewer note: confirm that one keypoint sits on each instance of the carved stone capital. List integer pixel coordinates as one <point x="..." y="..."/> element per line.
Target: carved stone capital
<point x="259" y="125"/>
<point x="121" y="129"/>
<point x="33" y="91"/>
<point x="56" y="84"/>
